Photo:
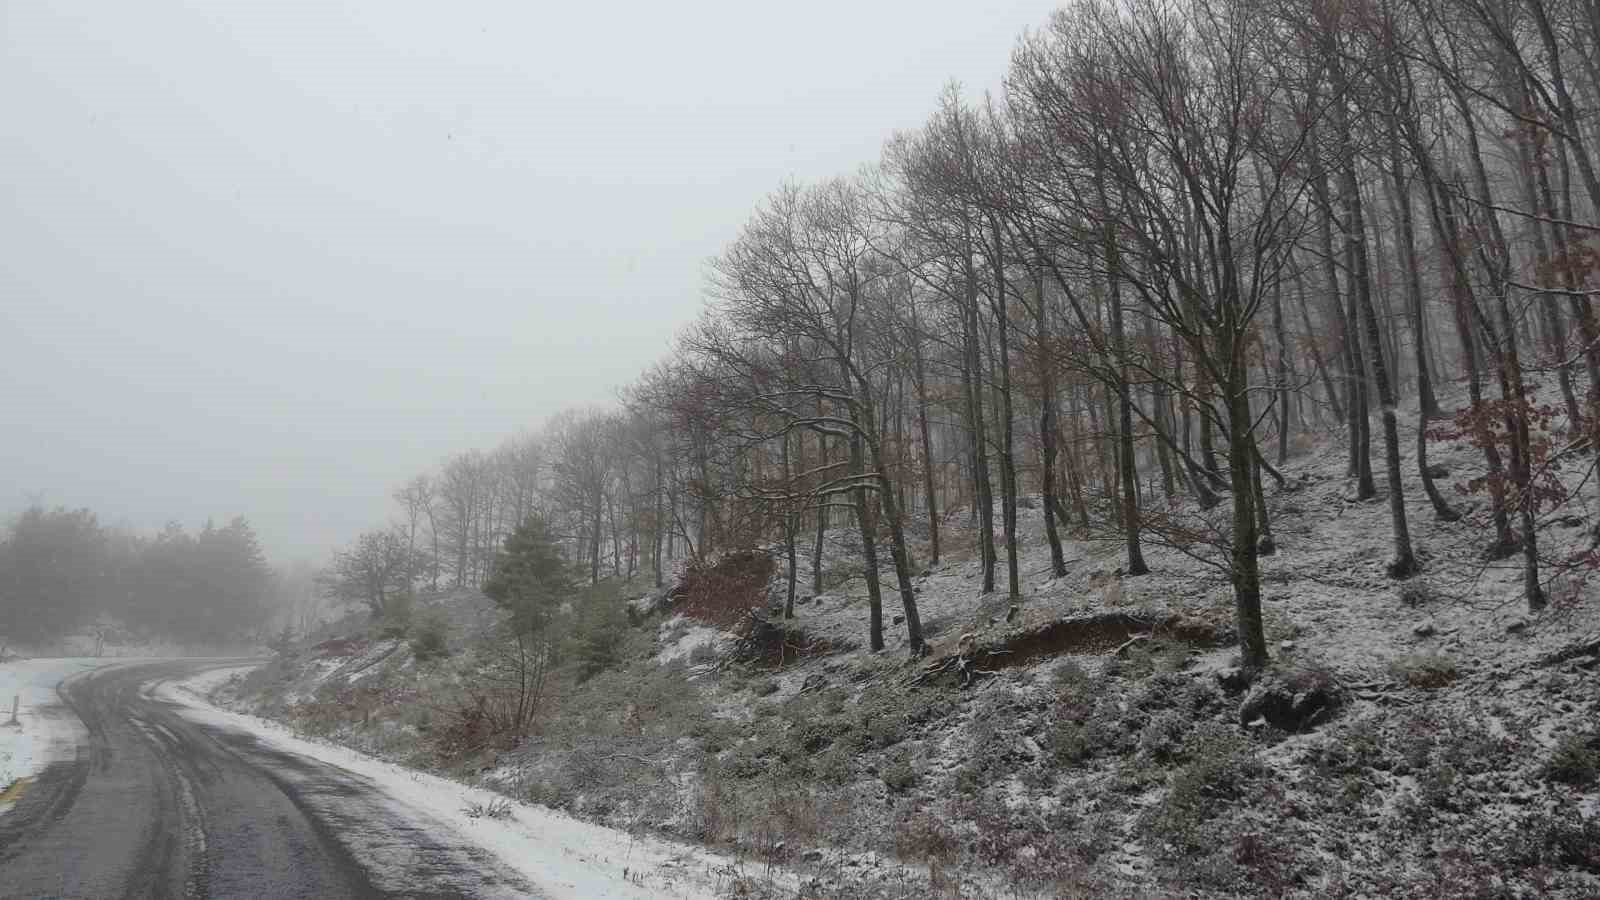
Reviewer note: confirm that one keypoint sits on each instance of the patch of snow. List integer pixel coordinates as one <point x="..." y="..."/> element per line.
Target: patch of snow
<point x="686" y="636"/>
<point x="46" y="731"/>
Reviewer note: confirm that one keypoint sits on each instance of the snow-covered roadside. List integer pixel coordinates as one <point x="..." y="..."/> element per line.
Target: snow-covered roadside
<point x="203" y="685"/>
<point x="567" y="858"/>
<point x="45" y="731"/>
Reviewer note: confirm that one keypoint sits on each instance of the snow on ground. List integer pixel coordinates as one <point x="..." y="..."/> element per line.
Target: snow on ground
<point x="205" y="684"/>
<point x="565" y="857"/>
<point x="45" y="731"/>
<point x="682" y="636"/>
<point x="1325" y="589"/>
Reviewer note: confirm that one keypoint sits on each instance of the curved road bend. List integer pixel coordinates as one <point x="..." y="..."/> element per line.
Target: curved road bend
<point x="157" y="806"/>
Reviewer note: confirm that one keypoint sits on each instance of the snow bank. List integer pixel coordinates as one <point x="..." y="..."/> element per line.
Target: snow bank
<point x="565" y="857"/>
<point x="46" y="731"/>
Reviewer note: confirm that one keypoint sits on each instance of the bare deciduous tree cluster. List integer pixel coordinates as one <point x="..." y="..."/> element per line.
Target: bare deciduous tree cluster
<point x="1187" y="233"/>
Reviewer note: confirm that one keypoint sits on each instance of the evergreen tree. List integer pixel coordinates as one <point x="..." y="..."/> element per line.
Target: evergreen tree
<point x="530" y="576"/>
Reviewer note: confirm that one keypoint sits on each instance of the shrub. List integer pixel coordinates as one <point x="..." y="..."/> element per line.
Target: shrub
<point x="1075" y="689"/>
<point x="1427" y="671"/>
<point x="281" y="645"/>
<point x="600" y="630"/>
<point x="498" y="808"/>
<point x="429" y="640"/>
<point x="396" y="618"/>
<point x="1560" y="836"/>
<point x="1357" y="749"/>
<point x="1576" y="761"/>
<point x="833" y="766"/>
<point x="885" y="730"/>
<point x="1073" y="742"/>
<point x="1162" y="740"/>
<point x="898" y="776"/>
<point x="1220" y="767"/>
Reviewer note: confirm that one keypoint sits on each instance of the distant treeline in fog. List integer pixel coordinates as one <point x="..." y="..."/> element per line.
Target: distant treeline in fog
<point x="63" y="573"/>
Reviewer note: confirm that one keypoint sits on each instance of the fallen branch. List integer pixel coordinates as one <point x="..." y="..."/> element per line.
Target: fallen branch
<point x="1138" y="638"/>
<point x="1384" y="697"/>
<point x="1590" y="647"/>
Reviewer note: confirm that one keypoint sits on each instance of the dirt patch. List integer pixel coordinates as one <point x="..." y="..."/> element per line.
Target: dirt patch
<point x="1082" y="635"/>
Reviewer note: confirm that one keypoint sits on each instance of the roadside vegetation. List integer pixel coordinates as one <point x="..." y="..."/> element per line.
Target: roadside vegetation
<point x="1173" y="475"/>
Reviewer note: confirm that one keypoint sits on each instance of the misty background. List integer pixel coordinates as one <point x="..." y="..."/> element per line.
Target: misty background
<point x="271" y="260"/>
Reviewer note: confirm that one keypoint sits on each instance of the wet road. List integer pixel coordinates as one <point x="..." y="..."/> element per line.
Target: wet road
<point x="157" y="806"/>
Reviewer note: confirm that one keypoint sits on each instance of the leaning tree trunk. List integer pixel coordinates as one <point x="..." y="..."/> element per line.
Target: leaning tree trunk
<point x="1510" y="365"/>
<point x="1312" y="344"/>
<point x="1574" y="277"/>
<point x="1427" y="404"/>
<point x="898" y="551"/>
<point x="1447" y="228"/>
<point x="1265" y="544"/>
<point x="1404" y="563"/>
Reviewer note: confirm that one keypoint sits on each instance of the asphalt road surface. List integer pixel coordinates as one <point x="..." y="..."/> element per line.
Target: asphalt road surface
<point x="157" y="806"/>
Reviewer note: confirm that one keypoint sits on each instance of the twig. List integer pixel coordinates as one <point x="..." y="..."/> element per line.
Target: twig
<point x="1129" y="643"/>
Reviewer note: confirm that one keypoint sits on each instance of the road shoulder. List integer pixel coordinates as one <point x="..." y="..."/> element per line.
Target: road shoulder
<point x="566" y="857"/>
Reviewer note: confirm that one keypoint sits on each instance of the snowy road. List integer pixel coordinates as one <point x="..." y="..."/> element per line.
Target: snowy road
<point x="167" y="797"/>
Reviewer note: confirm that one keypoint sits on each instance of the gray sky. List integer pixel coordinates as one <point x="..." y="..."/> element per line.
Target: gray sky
<point x="272" y="259"/>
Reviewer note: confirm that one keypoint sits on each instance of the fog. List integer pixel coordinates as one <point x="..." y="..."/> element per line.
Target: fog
<point x="272" y="259"/>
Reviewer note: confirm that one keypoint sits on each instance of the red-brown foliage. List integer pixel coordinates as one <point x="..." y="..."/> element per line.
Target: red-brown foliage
<point x="340" y="647"/>
<point x="722" y="593"/>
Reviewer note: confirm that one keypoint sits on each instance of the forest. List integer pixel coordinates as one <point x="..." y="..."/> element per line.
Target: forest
<point x="64" y="573"/>
<point x="1187" y="238"/>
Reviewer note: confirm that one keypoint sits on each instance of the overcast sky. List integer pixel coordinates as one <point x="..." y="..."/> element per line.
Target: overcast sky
<point x="272" y="259"/>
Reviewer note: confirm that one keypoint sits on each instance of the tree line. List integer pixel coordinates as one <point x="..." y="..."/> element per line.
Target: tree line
<point x="1184" y="237"/>
<point x="64" y="573"/>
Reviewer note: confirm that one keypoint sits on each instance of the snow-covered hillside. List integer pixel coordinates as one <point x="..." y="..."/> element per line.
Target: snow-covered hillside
<point x="1429" y="737"/>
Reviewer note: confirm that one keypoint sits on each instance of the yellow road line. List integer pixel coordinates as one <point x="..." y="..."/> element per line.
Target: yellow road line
<point x="14" y="791"/>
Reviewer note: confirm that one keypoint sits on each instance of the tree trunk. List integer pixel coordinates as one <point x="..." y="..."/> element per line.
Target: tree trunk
<point x="1008" y="461"/>
<point x="927" y="443"/>
<point x="1312" y="344"/>
<point x="1047" y="426"/>
<point x="982" y="496"/>
<point x="1125" y="455"/>
<point x="1404" y="563"/>
<point x="869" y="547"/>
<point x="1244" y="564"/>
<point x="791" y="525"/>
<point x="822" y="516"/>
